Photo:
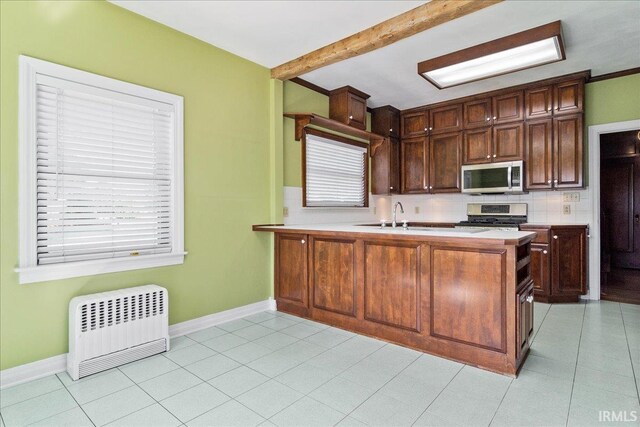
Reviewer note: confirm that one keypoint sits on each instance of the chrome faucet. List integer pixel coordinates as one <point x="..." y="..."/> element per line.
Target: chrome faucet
<point x="395" y="207"/>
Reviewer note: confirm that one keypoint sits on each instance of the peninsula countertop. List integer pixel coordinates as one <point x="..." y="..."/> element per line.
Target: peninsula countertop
<point x="412" y="232"/>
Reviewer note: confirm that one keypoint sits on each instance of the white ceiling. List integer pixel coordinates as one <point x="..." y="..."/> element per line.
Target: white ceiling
<point x="268" y="32"/>
<point x="603" y="36"/>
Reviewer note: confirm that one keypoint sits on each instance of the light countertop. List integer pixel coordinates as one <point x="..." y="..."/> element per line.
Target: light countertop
<point x="411" y="231"/>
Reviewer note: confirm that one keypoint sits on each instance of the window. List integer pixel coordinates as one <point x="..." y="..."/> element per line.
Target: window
<point x="101" y="175"/>
<point x="335" y="171"/>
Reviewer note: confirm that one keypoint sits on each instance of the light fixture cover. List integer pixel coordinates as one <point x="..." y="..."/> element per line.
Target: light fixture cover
<point x="530" y="48"/>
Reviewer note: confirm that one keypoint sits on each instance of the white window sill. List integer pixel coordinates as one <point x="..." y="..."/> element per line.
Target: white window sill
<point x="44" y="273"/>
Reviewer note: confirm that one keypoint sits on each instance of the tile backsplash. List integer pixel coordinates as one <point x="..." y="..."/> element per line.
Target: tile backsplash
<point x="544" y="207"/>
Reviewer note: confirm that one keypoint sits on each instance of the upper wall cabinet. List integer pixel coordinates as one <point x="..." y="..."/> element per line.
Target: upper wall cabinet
<point x="447" y="118"/>
<point x="414" y="123"/>
<point x="385" y="121"/>
<point x="568" y="97"/>
<point x="385" y="159"/>
<point x="349" y="105"/>
<point x="507" y="108"/>
<point x="538" y="102"/>
<point x="477" y="113"/>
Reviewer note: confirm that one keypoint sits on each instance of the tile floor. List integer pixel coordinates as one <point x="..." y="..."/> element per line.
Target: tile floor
<point x="276" y="369"/>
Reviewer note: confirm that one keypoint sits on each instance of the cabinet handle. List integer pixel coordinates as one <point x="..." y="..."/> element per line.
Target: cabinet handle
<point x="425" y="129"/>
<point x="555" y="182"/>
<point x="302" y="241"/>
<point x="555" y="237"/>
<point x="530" y="298"/>
<point x="350" y="117"/>
<point x="390" y="188"/>
<point x="425" y="187"/>
<point x="549" y="182"/>
<point x="430" y="128"/>
<point x="495" y="155"/>
<point x="544" y="252"/>
<point x="495" y="117"/>
<point x="488" y="156"/>
<point x="430" y="187"/>
<point x="391" y="130"/>
<point x="488" y="118"/>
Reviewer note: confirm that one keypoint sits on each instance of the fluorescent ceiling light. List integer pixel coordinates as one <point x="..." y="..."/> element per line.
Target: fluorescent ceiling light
<point x="531" y="48"/>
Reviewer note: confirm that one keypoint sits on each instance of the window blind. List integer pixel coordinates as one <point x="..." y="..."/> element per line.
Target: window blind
<point x="335" y="173"/>
<point x="104" y="171"/>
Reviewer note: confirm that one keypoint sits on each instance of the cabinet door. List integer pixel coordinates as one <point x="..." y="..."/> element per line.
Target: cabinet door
<point x="569" y="269"/>
<point x="413" y="157"/>
<point x="507" y="142"/>
<point x="385" y="168"/>
<point x="445" y="119"/>
<point x="291" y="270"/>
<point x="538" y="102"/>
<point x="477" y="146"/>
<point x="477" y="113"/>
<point x="568" y="97"/>
<point x="445" y="161"/>
<point x="524" y="319"/>
<point x="538" y="154"/>
<point x="507" y="108"/>
<point x="414" y="124"/>
<point x="333" y="276"/>
<point x="567" y="164"/>
<point x="357" y="111"/>
<point x="540" y="269"/>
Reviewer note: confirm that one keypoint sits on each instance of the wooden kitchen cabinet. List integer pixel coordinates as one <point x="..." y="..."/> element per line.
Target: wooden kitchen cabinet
<point x="445" y="160"/>
<point x="414" y="123"/>
<point x="385" y="159"/>
<point x="507" y="108"/>
<point x="538" y="137"/>
<point x="559" y="255"/>
<point x="385" y="121"/>
<point x="477" y="146"/>
<point x="431" y="164"/>
<point x="333" y="275"/>
<point x="568" y="142"/>
<point x="385" y="167"/>
<point x="538" y="102"/>
<point x="291" y="287"/>
<point x="568" y="97"/>
<point x="349" y="105"/>
<point x="444" y="119"/>
<point x="477" y="113"/>
<point x="414" y="165"/>
<point x="508" y="142"/>
<point x="524" y="318"/>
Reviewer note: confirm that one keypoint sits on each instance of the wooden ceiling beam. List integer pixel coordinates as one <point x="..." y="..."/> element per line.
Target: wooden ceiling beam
<point x="405" y="25"/>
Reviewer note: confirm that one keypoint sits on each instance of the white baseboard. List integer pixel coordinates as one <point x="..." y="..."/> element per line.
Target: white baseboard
<point x="56" y="364"/>
<point x="194" y="325"/>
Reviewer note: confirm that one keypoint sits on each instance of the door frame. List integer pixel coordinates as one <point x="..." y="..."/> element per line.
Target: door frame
<point x="594" y="184"/>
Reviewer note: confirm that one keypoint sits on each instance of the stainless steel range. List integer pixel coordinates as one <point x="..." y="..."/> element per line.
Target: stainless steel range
<point x="497" y="216"/>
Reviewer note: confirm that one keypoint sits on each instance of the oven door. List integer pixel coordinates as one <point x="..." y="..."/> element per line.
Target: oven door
<point x="505" y="177"/>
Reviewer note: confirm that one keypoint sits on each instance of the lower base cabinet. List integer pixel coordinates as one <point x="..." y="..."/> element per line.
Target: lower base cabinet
<point x="469" y="302"/>
<point x="559" y="255"/>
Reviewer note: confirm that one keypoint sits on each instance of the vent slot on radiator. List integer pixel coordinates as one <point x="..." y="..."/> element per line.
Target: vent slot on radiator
<point x="96" y="315"/>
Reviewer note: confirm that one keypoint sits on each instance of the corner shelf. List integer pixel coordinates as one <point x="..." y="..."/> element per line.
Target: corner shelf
<point x="304" y="119"/>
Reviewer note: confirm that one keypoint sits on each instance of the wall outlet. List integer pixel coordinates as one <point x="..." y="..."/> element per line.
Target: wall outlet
<point x="374" y="210"/>
<point x="417" y="209"/>
<point x="571" y="197"/>
<point x="285" y="211"/>
<point x="566" y="209"/>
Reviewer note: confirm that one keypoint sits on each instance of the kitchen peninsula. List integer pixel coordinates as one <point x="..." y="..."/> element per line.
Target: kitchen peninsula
<point x="460" y="294"/>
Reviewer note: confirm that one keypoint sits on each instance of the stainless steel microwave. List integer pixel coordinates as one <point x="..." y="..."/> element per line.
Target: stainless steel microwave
<point x="504" y="177"/>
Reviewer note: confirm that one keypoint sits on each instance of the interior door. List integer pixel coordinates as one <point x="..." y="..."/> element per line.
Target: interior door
<point x="620" y="204"/>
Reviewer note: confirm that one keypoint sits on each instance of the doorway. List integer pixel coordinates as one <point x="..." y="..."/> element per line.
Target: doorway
<point x="620" y="216"/>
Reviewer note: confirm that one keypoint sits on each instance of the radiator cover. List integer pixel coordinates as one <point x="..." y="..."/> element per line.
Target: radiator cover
<point x="113" y="328"/>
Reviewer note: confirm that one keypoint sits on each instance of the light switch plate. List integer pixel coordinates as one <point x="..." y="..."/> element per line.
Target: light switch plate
<point x="285" y="211"/>
<point x="417" y="209"/>
<point x="571" y="197"/>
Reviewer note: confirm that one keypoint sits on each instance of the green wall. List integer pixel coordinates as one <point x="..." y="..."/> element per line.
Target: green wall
<point x="613" y="100"/>
<point x="227" y="166"/>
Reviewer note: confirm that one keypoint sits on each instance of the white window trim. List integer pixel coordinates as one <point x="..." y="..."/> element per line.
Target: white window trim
<point x="28" y="270"/>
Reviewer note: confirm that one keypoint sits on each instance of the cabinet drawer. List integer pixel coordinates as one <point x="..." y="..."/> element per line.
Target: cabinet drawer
<point x="542" y="234"/>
